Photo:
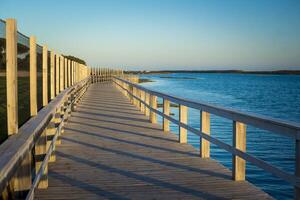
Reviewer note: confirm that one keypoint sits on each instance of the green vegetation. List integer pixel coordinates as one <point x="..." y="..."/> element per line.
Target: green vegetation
<point x="73" y="58"/>
<point x="145" y="80"/>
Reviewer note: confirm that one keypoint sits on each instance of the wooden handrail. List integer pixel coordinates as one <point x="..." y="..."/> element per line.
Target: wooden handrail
<point x="278" y="126"/>
<point x="16" y="147"/>
<point x="290" y="129"/>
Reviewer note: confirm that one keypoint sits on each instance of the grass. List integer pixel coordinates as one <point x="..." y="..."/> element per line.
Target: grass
<point x="23" y="103"/>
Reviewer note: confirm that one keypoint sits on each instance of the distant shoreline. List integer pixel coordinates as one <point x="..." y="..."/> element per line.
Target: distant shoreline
<point x="278" y="72"/>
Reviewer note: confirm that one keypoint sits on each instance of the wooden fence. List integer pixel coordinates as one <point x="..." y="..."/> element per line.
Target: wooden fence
<point x="146" y="100"/>
<point x="25" y="155"/>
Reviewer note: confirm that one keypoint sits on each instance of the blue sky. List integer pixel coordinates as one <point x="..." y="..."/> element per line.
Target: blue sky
<point x="166" y="34"/>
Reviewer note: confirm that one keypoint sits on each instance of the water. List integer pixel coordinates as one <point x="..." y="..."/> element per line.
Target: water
<point x="277" y="96"/>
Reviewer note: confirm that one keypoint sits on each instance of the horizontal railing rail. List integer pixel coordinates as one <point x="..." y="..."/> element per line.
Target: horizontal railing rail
<point x="146" y="100"/>
<point x="49" y="120"/>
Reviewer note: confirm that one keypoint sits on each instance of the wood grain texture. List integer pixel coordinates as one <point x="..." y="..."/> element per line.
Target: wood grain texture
<point x="110" y="150"/>
<point x="205" y="128"/>
<point x="239" y="142"/>
<point x="11" y="79"/>
<point x="33" y="76"/>
<point x="45" y="75"/>
<point x="183" y="117"/>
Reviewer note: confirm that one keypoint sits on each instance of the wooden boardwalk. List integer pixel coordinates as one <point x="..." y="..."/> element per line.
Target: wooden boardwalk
<point x="110" y="150"/>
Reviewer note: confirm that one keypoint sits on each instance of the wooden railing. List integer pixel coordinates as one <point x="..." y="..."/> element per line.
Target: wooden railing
<point x="103" y="75"/>
<point x="25" y="154"/>
<point x="146" y="100"/>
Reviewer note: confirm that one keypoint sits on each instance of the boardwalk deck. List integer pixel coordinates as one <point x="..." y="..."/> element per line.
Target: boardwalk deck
<point x="110" y="151"/>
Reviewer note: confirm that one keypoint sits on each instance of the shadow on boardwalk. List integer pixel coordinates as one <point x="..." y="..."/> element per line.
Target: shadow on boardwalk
<point x="110" y="150"/>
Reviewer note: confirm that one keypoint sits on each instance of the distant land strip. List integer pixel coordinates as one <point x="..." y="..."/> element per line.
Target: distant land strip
<point x="279" y="72"/>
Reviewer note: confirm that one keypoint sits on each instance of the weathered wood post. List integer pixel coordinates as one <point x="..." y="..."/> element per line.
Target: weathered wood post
<point x="69" y="73"/>
<point x="52" y="76"/>
<point x="66" y="73"/>
<point x="40" y="152"/>
<point x="166" y="110"/>
<point x="143" y="99"/>
<point x="153" y="104"/>
<point x="11" y="76"/>
<point x="33" y="76"/>
<point x="147" y="110"/>
<point x="239" y="142"/>
<point x="22" y="179"/>
<point x="57" y="72"/>
<point x="61" y="73"/>
<point x="45" y="75"/>
<point x="183" y="111"/>
<point x="205" y="128"/>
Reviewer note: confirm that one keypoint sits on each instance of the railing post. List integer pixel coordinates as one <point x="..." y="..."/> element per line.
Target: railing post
<point x="11" y="79"/>
<point x="147" y="110"/>
<point x="45" y="75"/>
<point x="52" y="78"/>
<point x="143" y="99"/>
<point x="183" y="119"/>
<point x="153" y="104"/>
<point x="51" y="129"/>
<point x="57" y="71"/>
<point x="61" y="73"/>
<point x="57" y="123"/>
<point x="40" y="152"/>
<point x="297" y="167"/>
<point x="66" y="72"/>
<point x="239" y="142"/>
<point x="69" y="73"/>
<point x="33" y="77"/>
<point x="134" y="95"/>
<point x="205" y="128"/>
<point x="166" y="110"/>
<point x="22" y="180"/>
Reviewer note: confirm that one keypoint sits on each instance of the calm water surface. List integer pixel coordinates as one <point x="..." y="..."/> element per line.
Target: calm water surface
<point x="277" y="96"/>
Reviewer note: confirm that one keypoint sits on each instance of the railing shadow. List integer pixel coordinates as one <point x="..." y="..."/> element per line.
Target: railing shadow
<point x="83" y="185"/>
<point x="125" y="124"/>
<point x="133" y="143"/>
<point x="139" y="177"/>
<point x="124" y="131"/>
<point x="114" y="116"/>
<point x="149" y="159"/>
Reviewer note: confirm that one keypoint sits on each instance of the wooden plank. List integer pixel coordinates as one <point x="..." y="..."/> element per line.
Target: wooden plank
<point x="11" y="77"/>
<point x="65" y="73"/>
<point x="147" y="100"/>
<point x="52" y="75"/>
<point x="45" y="75"/>
<point x="110" y="151"/>
<point x="143" y="99"/>
<point x="205" y="128"/>
<point x="57" y="72"/>
<point x="40" y="152"/>
<point x="153" y="104"/>
<point x="61" y="73"/>
<point x="183" y="117"/>
<point x="69" y="73"/>
<point x="23" y="177"/>
<point x="239" y="142"/>
<point x="166" y="110"/>
<point x="33" y="76"/>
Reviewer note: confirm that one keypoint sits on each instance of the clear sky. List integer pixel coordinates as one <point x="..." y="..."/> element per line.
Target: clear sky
<point x="166" y="34"/>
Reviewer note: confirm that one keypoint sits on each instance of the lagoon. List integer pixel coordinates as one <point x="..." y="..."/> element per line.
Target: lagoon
<point x="276" y="96"/>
